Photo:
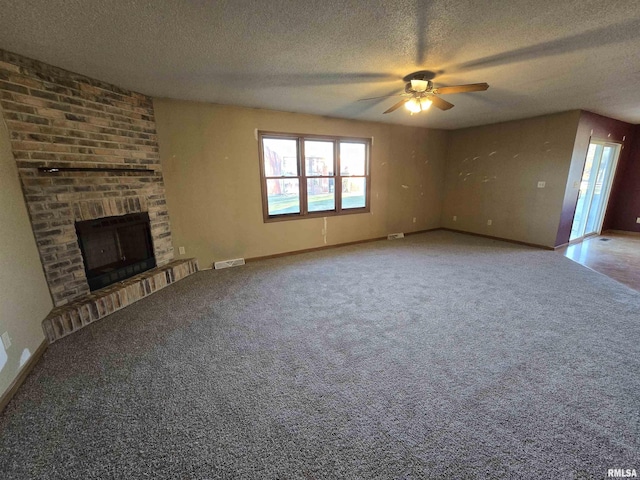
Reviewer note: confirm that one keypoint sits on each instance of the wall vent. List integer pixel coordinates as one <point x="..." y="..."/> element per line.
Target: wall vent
<point x="394" y="236"/>
<point x="228" y="263"/>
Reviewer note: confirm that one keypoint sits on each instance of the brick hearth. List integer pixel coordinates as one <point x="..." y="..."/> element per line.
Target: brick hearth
<point x="78" y="314"/>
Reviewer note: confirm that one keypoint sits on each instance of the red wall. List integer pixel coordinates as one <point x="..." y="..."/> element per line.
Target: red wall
<point x="624" y="203"/>
<point x="625" y="194"/>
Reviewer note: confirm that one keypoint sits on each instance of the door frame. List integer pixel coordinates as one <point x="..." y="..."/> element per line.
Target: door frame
<point x="608" y="187"/>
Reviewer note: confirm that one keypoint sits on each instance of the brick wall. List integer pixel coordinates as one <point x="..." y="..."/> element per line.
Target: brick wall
<point x="61" y="119"/>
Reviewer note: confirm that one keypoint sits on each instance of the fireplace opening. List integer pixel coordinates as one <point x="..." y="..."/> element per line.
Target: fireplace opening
<point x="115" y="248"/>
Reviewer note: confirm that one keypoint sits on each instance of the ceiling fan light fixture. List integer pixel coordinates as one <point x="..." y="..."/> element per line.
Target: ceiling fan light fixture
<point x="425" y="103"/>
<point x="419" y="85"/>
<point x="413" y="105"/>
<point x="418" y="104"/>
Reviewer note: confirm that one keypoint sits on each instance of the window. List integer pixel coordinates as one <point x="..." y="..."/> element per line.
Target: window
<point x="313" y="176"/>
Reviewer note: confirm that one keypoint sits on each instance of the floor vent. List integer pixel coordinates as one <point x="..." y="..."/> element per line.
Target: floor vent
<point x="229" y="263"/>
<point x="394" y="236"/>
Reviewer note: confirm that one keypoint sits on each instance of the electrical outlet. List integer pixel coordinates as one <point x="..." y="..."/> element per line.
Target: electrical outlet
<point x="6" y="340"/>
<point x="489" y="222"/>
<point x="541" y="184"/>
<point x="414" y="219"/>
<point x="455" y="218"/>
<point x="637" y="219"/>
<point x="181" y="250"/>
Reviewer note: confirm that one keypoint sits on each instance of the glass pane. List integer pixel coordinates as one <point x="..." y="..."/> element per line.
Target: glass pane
<point x="283" y="196"/>
<point x="354" y="192"/>
<point x="280" y="157"/>
<point x="318" y="158"/>
<point x="599" y="191"/>
<point x="586" y="188"/>
<point x="321" y="194"/>
<point x="353" y="158"/>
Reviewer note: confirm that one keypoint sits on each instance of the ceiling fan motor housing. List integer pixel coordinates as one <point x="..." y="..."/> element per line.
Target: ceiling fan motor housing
<point x="409" y="88"/>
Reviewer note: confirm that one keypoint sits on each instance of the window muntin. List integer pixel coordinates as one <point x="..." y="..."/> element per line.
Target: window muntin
<point x="309" y="176"/>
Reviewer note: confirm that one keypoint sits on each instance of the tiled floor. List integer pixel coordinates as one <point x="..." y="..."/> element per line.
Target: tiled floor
<point x="613" y="254"/>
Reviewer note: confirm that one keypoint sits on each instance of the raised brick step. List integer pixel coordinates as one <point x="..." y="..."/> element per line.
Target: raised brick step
<point x="70" y="318"/>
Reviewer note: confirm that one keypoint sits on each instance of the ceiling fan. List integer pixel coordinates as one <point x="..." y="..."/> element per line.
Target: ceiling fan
<point x="420" y="95"/>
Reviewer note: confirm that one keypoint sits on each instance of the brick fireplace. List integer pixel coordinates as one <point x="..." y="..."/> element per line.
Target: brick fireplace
<point x="85" y="150"/>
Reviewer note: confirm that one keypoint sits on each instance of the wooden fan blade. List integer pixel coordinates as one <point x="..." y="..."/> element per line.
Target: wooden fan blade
<point x="398" y="105"/>
<point x="471" y="87"/>
<point x="385" y="96"/>
<point x="440" y="103"/>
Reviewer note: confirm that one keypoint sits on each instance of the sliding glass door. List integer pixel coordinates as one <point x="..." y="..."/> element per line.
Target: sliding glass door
<point x="595" y="186"/>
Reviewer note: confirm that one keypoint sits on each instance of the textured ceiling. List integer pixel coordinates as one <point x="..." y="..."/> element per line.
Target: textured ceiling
<point x="320" y="57"/>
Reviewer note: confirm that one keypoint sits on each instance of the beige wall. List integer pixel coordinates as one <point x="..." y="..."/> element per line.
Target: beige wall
<point x="492" y="173"/>
<point x="210" y="161"/>
<point x="24" y="296"/>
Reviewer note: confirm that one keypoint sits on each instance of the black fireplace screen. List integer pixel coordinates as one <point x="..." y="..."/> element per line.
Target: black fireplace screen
<point x="115" y="248"/>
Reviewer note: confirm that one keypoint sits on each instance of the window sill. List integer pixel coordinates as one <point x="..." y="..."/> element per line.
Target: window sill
<point x="329" y="213"/>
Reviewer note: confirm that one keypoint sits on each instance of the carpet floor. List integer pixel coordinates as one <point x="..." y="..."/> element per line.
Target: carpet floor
<point x="439" y="356"/>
